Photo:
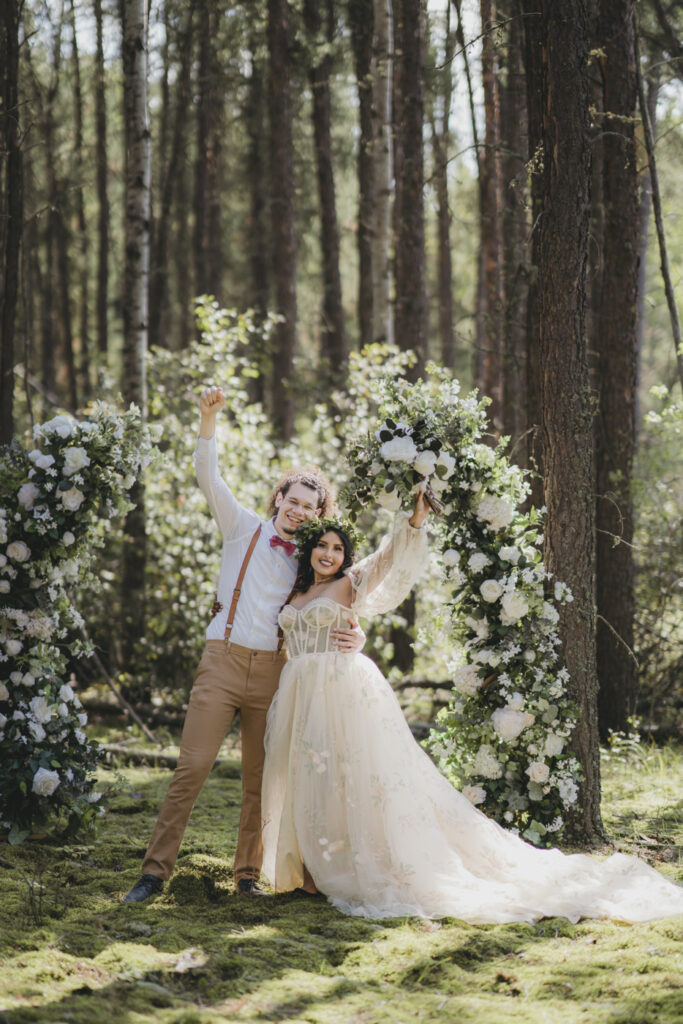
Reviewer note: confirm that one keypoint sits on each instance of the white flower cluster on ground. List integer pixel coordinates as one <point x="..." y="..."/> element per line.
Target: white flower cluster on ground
<point x="504" y="737"/>
<point x="52" y="497"/>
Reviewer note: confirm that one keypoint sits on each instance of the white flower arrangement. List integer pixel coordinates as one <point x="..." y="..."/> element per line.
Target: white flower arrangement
<point x="508" y="725"/>
<point x="63" y="490"/>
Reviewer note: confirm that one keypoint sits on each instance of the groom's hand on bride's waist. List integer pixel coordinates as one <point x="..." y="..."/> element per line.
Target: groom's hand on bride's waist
<point x="349" y="641"/>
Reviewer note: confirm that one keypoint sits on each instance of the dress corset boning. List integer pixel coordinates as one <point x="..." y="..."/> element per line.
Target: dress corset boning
<point x="307" y="630"/>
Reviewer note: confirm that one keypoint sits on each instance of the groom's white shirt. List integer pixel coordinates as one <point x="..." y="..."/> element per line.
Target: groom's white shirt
<point x="271" y="572"/>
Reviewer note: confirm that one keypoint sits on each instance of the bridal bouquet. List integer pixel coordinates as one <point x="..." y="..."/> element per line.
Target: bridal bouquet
<point x="504" y="737"/>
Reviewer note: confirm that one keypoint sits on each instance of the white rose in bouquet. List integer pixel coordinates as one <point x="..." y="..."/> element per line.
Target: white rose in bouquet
<point x="66" y="693"/>
<point x="425" y="463"/>
<point x="391" y="500"/>
<point x="38" y="734"/>
<point x="27" y="495"/>
<point x="497" y="512"/>
<point x="41" y="460"/>
<point x="399" y="449"/>
<point x="510" y="553"/>
<point x="478" y="561"/>
<point x="466" y="680"/>
<point x="516" y="701"/>
<point x="486" y="764"/>
<point x="72" y="499"/>
<point x="538" y="772"/>
<point x="18" y="551"/>
<point x="448" y="462"/>
<point x="28" y="679"/>
<point x="554" y="745"/>
<point x="45" y="782"/>
<point x="13" y="647"/>
<point x="513" y="607"/>
<point x="68" y="539"/>
<point x="509" y="723"/>
<point x="61" y="425"/>
<point x="4" y="587"/>
<point x="4" y="692"/>
<point x="568" y="791"/>
<point x="75" y="459"/>
<point x="490" y="590"/>
<point x="451" y="557"/>
<point x="40" y="709"/>
<point x="475" y="794"/>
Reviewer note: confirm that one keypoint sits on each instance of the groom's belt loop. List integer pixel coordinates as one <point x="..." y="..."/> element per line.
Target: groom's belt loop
<point x="238" y="585"/>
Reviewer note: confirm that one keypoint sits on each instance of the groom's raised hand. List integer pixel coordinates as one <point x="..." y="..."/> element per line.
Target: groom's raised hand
<point x="211" y="401"/>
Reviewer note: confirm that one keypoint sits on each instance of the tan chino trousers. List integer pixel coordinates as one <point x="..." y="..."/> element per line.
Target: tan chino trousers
<point x="228" y="678"/>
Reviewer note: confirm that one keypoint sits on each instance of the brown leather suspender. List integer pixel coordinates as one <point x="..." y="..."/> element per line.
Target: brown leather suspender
<point x="238" y="585"/>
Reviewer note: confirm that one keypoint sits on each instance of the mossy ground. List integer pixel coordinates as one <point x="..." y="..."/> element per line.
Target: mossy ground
<point x="70" y="952"/>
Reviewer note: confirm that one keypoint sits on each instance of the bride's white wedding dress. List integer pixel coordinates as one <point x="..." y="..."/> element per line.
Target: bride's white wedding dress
<point x="350" y="794"/>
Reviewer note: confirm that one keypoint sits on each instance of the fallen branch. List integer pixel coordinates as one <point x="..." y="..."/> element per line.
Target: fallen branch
<point x="159" y="760"/>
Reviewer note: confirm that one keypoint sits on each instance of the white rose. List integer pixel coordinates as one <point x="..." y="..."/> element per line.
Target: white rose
<point x="425" y="463"/>
<point x="82" y="718"/>
<point x="450" y="557"/>
<point x="80" y="736"/>
<point x="72" y="499"/>
<point x="478" y="561"/>
<point x="390" y="500"/>
<point x="63" y="711"/>
<point x="37" y="731"/>
<point x="68" y="539"/>
<point x="27" y="495"/>
<point x="490" y="590"/>
<point x="529" y="657"/>
<point x="18" y="551"/>
<point x="28" y="679"/>
<point x="497" y="512"/>
<point x="75" y="459"/>
<point x="13" y="647"/>
<point x="66" y="693"/>
<point x="40" y="460"/>
<point x="448" y="462"/>
<point x="513" y="608"/>
<point x="4" y="586"/>
<point x="480" y="627"/>
<point x="509" y="723"/>
<point x="466" y="680"/>
<point x="516" y="701"/>
<point x="538" y="772"/>
<point x="3" y="561"/>
<point x="568" y="791"/>
<point x="399" y="449"/>
<point x="554" y="745"/>
<point x="40" y="709"/>
<point x="475" y="794"/>
<point x="549" y="613"/>
<point x="510" y="554"/>
<point x="45" y="782"/>
<point x="4" y="692"/>
<point x="61" y="425"/>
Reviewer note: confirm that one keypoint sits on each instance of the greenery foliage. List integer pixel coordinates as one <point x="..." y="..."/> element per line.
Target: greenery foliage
<point x="56" y="500"/>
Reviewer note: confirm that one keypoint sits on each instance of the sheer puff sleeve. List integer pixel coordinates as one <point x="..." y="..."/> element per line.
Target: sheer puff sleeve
<point x="384" y="579"/>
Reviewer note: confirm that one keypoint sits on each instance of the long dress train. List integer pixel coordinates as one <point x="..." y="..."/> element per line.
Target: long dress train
<point x="348" y="792"/>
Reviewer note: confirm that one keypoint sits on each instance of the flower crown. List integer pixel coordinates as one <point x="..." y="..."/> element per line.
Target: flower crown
<point x="314" y="528"/>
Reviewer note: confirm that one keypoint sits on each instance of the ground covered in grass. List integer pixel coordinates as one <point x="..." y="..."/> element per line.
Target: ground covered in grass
<point x="70" y="952"/>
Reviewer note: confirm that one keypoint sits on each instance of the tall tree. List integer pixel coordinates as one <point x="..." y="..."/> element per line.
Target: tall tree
<point x="333" y="340"/>
<point x="616" y="421"/>
<point x="283" y="226"/>
<point x="411" y="297"/>
<point x="383" y="171"/>
<point x="361" y="20"/>
<point x="83" y="270"/>
<point x="207" y="207"/>
<point x="11" y="207"/>
<point x="135" y="292"/>
<point x="102" y="191"/>
<point x="562" y="36"/>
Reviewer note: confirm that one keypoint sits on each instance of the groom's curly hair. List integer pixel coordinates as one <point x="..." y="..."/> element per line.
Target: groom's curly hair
<point x="309" y="476"/>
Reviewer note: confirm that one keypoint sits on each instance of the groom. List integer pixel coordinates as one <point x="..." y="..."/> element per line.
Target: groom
<point x="242" y="660"/>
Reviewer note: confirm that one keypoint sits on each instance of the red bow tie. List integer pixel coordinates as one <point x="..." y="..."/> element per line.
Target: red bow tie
<point x="278" y="542"/>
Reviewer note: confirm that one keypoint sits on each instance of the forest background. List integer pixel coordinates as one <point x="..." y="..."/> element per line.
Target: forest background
<point x="469" y="183"/>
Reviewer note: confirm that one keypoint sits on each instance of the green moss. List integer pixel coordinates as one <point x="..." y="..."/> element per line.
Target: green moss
<point x="199" y="953"/>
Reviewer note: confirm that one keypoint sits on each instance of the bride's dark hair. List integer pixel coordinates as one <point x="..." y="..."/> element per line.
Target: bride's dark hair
<point x="305" y="577"/>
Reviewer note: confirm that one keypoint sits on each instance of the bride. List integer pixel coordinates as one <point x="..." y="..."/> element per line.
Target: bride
<point x="353" y="806"/>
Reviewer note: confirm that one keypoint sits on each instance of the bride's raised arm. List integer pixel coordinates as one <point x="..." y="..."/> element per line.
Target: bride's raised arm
<point x="384" y="579"/>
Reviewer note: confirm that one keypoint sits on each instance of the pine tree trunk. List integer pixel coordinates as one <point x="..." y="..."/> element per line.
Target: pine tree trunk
<point x="333" y="338"/>
<point x="135" y="298"/>
<point x="411" y="298"/>
<point x="361" y="21"/>
<point x="617" y="370"/>
<point x="84" y="277"/>
<point x="566" y="421"/>
<point x="383" y="172"/>
<point x="102" y="193"/>
<point x="490" y="379"/>
<point x="441" y="145"/>
<point x="257" y="228"/>
<point x="207" y="249"/>
<point x="283" y="229"/>
<point x="11" y="207"/>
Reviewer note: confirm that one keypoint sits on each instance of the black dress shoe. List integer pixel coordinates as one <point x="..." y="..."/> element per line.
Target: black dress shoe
<point x="149" y="885"/>
<point x="250" y="887"/>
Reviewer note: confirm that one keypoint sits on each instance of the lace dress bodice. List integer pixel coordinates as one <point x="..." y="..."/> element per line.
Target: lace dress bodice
<point x="307" y="630"/>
